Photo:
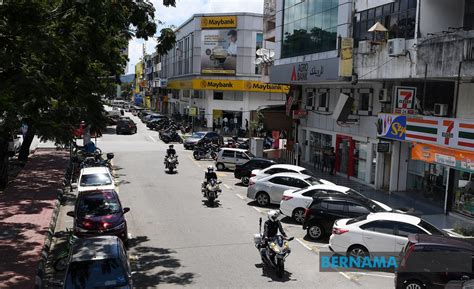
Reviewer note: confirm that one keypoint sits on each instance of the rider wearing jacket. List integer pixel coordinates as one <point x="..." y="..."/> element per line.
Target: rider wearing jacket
<point x="170" y="151"/>
<point x="209" y="175"/>
<point x="272" y="226"/>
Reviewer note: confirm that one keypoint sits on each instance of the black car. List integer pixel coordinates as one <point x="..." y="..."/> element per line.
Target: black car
<point x="328" y="207"/>
<point x="98" y="262"/>
<point x="99" y="213"/>
<point x="416" y="255"/>
<point x="201" y="137"/>
<point x="243" y="171"/>
<point x="126" y="126"/>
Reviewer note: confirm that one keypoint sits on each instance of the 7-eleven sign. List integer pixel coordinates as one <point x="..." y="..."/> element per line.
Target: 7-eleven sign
<point x="405" y="97"/>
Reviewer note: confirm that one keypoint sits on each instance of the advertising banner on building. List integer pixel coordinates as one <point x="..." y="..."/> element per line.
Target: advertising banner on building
<point x="228" y="85"/>
<point x="218" y="22"/>
<point x="306" y="72"/>
<point x="405" y="97"/>
<point x="392" y="126"/>
<point x="462" y="160"/>
<point x="218" y="51"/>
<point x="345" y="63"/>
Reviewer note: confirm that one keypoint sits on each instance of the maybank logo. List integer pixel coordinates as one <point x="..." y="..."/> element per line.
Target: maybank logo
<point x="265" y="86"/>
<point x="219" y="22"/>
<point x="214" y="84"/>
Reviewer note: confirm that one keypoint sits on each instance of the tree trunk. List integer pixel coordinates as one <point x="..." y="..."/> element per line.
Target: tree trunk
<point x="26" y="144"/>
<point x="3" y="160"/>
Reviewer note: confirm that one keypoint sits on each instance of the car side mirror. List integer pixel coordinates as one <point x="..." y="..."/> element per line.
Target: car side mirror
<point x="126" y="210"/>
<point x="71" y="214"/>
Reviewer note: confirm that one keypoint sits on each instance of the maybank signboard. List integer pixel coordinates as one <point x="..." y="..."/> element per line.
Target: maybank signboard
<point x="236" y="85"/>
<point x="218" y="22"/>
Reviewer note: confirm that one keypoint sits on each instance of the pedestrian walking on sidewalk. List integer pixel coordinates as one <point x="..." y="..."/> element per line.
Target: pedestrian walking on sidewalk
<point x="297" y="152"/>
<point x="332" y="162"/>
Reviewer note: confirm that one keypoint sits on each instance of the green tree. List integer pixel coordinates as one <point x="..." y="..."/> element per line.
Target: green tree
<point x="57" y="58"/>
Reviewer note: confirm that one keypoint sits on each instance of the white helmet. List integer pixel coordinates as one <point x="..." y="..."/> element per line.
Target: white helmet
<point x="273" y="215"/>
<point x="210" y="169"/>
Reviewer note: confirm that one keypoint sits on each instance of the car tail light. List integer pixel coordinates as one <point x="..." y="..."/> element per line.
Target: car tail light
<point x="338" y="231"/>
<point x="252" y="175"/>
<point x="286" y="198"/>
<point x="411" y="248"/>
<point x="251" y="183"/>
<point x="105" y="225"/>
<point x="86" y="224"/>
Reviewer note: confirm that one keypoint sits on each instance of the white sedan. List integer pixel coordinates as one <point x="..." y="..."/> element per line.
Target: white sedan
<point x="270" y="189"/>
<point x="377" y="232"/>
<point x="294" y="202"/>
<point x="278" y="168"/>
<point x="95" y="178"/>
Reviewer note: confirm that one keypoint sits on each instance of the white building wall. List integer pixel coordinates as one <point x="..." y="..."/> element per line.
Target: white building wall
<point x="438" y="15"/>
<point x="465" y="108"/>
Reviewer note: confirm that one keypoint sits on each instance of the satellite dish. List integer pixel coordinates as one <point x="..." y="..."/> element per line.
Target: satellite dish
<point x="258" y="61"/>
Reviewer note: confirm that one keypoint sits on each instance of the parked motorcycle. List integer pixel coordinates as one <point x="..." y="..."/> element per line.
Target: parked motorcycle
<point x="211" y="191"/>
<point x="205" y="152"/>
<point x="273" y="251"/>
<point x="171" y="136"/>
<point x="171" y="162"/>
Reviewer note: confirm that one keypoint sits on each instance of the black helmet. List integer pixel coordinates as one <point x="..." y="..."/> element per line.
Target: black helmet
<point x="171" y="146"/>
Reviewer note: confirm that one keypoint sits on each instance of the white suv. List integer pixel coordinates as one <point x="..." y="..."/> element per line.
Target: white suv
<point x="95" y="178"/>
<point x="228" y="158"/>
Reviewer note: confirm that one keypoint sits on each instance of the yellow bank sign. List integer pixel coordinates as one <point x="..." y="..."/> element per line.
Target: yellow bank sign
<point x="228" y="85"/>
<point x="218" y="22"/>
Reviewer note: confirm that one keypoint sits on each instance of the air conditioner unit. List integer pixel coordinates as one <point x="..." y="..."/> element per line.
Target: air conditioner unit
<point x="440" y="109"/>
<point x="364" y="47"/>
<point x="383" y="95"/>
<point x="396" y="47"/>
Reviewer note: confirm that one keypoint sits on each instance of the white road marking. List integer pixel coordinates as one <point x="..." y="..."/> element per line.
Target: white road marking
<point x="345" y="275"/>
<point x="375" y="275"/>
<point x="240" y="196"/>
<point x="227" y="186"/>
<point x="152" y="139"/>
<point x="303" y="244"/>
<point x="257" y="209"/>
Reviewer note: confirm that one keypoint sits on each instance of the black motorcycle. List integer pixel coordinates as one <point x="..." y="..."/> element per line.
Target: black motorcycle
<point x="273" y="251"/>
<point x="208" y="151"/>
<point x="171" y="163"/>
<point x="171" y="136"/>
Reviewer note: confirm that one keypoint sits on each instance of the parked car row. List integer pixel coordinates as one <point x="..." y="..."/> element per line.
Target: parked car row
<point x="100" y="231"/>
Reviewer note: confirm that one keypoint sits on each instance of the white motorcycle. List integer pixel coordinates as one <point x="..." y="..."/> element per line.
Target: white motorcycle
<point x="274" y="251"/>
<point x="211" y="191"/>
<point x="171" y="162"/>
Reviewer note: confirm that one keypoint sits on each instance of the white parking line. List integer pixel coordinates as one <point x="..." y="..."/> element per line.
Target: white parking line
<point x="345" y="275"/>
<point x="243" y="198"/>
<point x="227" y="186"/>
<point x="375" y="275"/>
<point x="303" y="244"/>
<point x="257" y="209"/>
<point x="152" y="138"/>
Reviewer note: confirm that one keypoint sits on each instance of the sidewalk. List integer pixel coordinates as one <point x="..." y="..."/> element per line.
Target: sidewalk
<point x="27" y="208"/>
<point x="430" y="211"/>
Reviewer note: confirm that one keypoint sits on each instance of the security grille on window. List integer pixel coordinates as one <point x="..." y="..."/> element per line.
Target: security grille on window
<point x="323" y="99"/>
<point x="365" y="101"/>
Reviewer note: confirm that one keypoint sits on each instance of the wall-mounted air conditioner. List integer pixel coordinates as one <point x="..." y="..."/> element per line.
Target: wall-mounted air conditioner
<point x="440" y="109"/>
<point x="383" y="95"/>
<point x="396" y="47"/>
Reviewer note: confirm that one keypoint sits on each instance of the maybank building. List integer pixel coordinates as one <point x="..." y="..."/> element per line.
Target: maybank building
<point x="211" y="72"/>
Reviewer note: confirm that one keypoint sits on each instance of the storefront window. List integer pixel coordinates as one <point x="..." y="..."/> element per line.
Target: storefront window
<point x="464" y="194"/>
<point x="319" y="143"/>
<point x="360" y="159"/>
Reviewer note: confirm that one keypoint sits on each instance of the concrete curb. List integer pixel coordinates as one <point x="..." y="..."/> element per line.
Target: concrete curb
<point x="40" y="273"/>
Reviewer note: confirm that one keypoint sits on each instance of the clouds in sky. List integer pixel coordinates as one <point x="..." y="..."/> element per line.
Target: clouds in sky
<point x="183" y="11"/>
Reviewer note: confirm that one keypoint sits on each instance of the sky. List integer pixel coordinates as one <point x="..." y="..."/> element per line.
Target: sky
<point x="183" y="11"/>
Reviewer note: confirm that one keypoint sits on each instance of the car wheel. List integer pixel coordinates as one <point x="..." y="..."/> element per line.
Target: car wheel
<point x="298" y="215"/>
<point x="315" y="231"/>
<point x="245" y="181"/>
<point x="357" y="251"/>
<point x="413" y="284"/>
<point x="220" y="166"/>
<point x="263" y="199"/>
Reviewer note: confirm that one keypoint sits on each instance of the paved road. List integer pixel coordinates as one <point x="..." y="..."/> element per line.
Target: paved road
<point x="179" y="241"/>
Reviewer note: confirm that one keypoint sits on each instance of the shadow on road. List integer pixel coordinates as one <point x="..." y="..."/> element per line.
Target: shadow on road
<point x="324" y="240"/>
<point x="154" y="266"/>
<point x="270" y="206"/>
<point x="215" y="204"/>
<point x="267" y="271"/>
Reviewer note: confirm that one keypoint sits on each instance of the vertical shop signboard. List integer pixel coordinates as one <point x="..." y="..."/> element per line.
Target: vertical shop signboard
<point x="405" y="98"/>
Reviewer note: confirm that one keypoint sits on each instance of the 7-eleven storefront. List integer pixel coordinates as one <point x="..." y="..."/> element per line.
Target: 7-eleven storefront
<point x="438" y="160"/>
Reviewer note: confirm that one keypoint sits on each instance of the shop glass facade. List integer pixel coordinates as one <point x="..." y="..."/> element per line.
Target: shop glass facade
<point x="464" y="194"/>
<point x="361" y="150"/>
<point x="319" y="143"/>
<point x="309" y="27"/>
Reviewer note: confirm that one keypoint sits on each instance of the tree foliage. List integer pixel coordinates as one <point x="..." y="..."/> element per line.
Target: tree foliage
<point x="58" y="57"/>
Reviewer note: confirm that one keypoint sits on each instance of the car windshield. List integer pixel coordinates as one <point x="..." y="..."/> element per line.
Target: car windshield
<point x="106" y="273"/>
<point x="358" y="219"/>
<point x="95" y="180"/>
<point x="306" y="172"/>
<point x="198" y="134"/>
<point x="355" y="193"/>
<point x="98" y="204"/>
<point x="432" y="229"/>
<point x="313" y="181"/>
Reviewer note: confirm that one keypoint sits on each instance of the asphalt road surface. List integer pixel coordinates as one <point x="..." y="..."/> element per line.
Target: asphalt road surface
<point x="178" y="241"/>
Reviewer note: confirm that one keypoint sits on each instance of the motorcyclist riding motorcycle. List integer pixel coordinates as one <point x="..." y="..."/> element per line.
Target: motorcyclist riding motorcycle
<point x="272" y="226"/>
<point x="208" y="175"/>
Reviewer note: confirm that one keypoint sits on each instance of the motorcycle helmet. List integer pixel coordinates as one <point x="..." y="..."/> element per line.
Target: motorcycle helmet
<point x="210" y="169"/>
<point x="171" y="146"/>
<point x="273" y="215"/>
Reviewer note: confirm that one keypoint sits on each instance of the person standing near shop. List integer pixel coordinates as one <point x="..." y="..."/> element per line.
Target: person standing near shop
<point x="297" y="151"/>
<point x="332" y="162"/>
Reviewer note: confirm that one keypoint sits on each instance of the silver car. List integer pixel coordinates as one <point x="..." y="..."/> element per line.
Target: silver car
<point x="270" y="189"/>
